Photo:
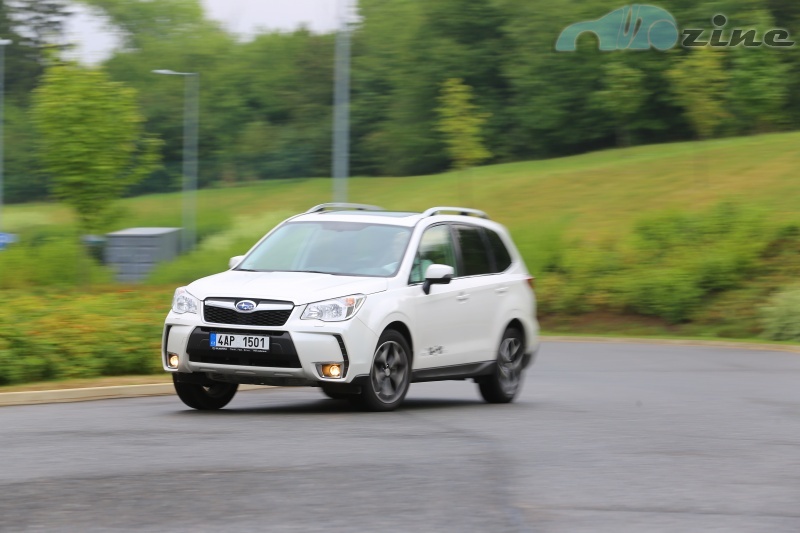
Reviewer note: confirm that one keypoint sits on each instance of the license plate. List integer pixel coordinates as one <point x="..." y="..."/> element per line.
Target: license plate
<point x="228" y="341"/>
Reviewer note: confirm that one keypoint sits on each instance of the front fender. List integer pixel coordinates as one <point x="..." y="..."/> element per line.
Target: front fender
<point x="385" y="310"/>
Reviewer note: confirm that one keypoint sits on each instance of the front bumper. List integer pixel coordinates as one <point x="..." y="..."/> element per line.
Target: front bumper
<point x="296" y="351"/>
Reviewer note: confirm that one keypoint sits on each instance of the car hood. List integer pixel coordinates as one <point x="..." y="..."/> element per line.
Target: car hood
<point x="297" y="287"/>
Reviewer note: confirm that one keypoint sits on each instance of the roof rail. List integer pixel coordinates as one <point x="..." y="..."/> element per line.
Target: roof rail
<point x="458" y="210"/>
<point x="340" y="206"/>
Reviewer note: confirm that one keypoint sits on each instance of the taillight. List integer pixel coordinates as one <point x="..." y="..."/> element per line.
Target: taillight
<point x="531" y="282"/>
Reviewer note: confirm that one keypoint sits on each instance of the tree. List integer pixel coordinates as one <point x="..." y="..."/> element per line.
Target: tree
<point x="40" y="23"/>
<point x="622" y="97"/>
<point x="759" y="80"/>
<point x="141" y="20"/>
<point x="22" y="67"/>
<point x="552" y="92"/>
<point x="460" y="122"/>
<point x="92" y="140"/>
<point x="699" y="83"/>
<point x="786" y="14"/>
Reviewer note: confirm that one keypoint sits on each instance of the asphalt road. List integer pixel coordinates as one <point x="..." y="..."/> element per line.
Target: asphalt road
<point x="604" y="438"/>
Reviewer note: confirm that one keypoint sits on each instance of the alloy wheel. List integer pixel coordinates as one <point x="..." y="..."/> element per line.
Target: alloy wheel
<point x="389" y="372"/>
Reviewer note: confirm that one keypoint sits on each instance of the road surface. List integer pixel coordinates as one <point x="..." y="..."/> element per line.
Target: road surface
<point x="604" y="438"/>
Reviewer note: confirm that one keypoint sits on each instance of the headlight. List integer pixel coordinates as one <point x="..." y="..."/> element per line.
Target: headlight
<point x="335" y="310"/>
<point x="183" y="302"/>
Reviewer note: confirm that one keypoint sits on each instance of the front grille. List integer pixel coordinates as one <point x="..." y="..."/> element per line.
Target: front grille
<point x="219" y="315"/>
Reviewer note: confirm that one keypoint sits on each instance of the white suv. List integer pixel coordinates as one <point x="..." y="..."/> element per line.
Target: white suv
<point x="360" y="302"/>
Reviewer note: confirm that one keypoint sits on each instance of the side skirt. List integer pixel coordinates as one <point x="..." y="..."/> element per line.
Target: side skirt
<point x="458" y="372"/>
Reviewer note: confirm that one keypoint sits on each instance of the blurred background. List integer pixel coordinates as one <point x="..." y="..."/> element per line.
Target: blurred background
<point x="651" y="193"/>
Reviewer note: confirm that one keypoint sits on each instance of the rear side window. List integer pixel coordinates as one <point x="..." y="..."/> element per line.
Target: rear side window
<point x="502" y="259"/>
<point x="475" y="258"/>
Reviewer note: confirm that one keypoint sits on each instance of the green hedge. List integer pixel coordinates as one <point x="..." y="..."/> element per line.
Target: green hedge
<point x="51" y="335"/>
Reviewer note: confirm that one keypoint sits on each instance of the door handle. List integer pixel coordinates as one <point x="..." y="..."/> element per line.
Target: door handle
<point x="462" y="297"/>
<point x="501" y="290"/>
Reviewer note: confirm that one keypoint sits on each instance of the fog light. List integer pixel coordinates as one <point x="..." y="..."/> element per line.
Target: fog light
<point x="332" y="371"/>
<point x="173" y="360"/>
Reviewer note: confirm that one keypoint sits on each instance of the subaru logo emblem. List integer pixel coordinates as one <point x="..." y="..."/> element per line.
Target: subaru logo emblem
<point x="246" y="306"/>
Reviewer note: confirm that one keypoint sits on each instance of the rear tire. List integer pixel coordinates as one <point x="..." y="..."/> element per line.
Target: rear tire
<point x="390" y="375"/>
<point x="211" y="397"/>
<point x="505" y="383"/>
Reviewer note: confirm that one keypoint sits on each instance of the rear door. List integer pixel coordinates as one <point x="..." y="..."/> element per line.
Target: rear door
<point x="477" y="283"/>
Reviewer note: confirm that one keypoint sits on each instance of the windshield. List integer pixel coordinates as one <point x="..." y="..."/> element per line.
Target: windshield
<point x="337" y="248"/>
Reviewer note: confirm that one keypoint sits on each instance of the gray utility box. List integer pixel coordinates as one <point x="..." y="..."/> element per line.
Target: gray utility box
<point x="134" y="252"/>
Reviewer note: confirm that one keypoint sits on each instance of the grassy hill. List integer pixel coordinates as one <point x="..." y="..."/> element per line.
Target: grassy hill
<point x="593" y="195"/>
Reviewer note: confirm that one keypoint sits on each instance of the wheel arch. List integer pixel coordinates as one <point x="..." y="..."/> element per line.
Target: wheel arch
<point x="528" y="328"/>
<point x="519" y="326"/>
<point x="403" y="330"/>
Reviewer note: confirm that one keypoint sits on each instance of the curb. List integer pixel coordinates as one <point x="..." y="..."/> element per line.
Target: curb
<point x="8" y="399"/>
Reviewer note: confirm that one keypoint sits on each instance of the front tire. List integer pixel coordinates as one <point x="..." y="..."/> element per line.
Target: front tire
<point x="211" y="397"/>
<point x="390" y="375"/>
<point x="505" y="383"/>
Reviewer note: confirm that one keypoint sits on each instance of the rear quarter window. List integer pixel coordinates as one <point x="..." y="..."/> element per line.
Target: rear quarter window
<point x="502" y="259"/>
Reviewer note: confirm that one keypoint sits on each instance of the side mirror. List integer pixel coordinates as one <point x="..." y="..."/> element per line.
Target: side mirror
<point x="234" y="261"/>
<point x="437" y="275"/>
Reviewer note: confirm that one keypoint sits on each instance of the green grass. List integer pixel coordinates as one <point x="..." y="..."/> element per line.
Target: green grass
<point x="593" y="195"/>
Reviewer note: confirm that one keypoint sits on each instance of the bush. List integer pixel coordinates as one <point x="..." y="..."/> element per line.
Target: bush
<point x="80" y="335"/>
<point x="667" y="267"/>
<point x="671" y="294"/>
<point x="543" y="246"/>
<point x="780" y="317"/>
<point x="49" y="259"/>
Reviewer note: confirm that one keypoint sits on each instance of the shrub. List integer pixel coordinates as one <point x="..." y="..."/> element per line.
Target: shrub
<point x="543" y="246"/>
<point x="49" y="259"/>
<point x="671" y="294"/>
<point x="78" y="335"/>
<point x="668" y="266"/>
<point x="780" y="317"/>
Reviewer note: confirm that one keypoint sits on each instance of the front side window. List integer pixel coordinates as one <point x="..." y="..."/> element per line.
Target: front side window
<point x="435" y="248"/>
<point x="475" y="256"/>
<point x="328" y="247"/>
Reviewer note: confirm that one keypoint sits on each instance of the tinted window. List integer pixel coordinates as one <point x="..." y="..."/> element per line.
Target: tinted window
<point x="435" y="248"/>
<point x="502" y="259"/>
<point x="475" y="257"/>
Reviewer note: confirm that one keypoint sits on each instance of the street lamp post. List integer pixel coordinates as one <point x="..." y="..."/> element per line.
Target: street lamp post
<point x="191" y="120"/>
<point x="341" y="105"/>
<point x="3" y="44"/>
